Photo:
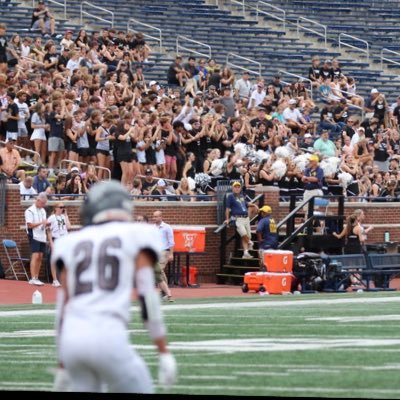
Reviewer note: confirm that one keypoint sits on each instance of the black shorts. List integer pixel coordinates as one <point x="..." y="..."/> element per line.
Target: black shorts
<point x="91" y="152"/>
<point x="36" y="246"/>
<point x="124" y="158"/>
<point x="83" y="151"/>
<point x="104" y="152"/>
<point x="71" y="146"/>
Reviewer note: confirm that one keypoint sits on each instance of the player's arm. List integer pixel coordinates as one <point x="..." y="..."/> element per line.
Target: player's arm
<point x="152" y="314"/>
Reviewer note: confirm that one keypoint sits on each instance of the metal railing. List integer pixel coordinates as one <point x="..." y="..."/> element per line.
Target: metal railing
<point x="29" y="151"/>
<point x="191" y="50"/>
<point x="90" y="5"/>
<point x="63" y="4"/>
<point x="240" y="3"/>
<point x="282" y="72"/>
<point x="305" y="28"/>
<point x="388" y="59"/>
<point x="342" y="43"/>
<point x="65" y="161"/>
<point x="249" y="60"/>
<point x="136" y="22"/>
<point x="279" y="18"/>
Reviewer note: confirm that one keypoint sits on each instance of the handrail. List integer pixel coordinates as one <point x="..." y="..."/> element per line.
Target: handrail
<point x="63" y="4"/>
<point x="229" y="63"/>
<point x="128" y="28"/>
<point x="179" y="46"/>
<point x="86" y="164"/>
<point x="300" y="77"/>
<point x="388" y="59"/>
<point x="324" y="35"/>
<point x="96" y="16"/>
<point x="258" y="11"/>
<point x="158" y="178"/>
<point x="240" y="3"/>
<point x="341" y="43"/>
<point x="26" y="151"/>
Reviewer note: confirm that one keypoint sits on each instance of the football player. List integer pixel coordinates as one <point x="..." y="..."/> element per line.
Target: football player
<point x="98" y="266"/>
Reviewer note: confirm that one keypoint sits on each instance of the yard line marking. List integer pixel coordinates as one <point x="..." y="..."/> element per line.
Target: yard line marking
<point x="46" y="333"/>
<point x="267" y="303"/>
<point x="208" y="377"/>
<point x="268" y="389"/>
<point x="259" y="373"/>
<point x="369" y="318"/>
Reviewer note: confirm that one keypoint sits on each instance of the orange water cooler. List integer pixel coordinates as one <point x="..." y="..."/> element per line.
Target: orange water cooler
<point x="277" y="279"/>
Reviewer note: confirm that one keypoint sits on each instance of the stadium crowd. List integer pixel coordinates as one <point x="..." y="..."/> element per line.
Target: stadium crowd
<point x="86" y="99"/>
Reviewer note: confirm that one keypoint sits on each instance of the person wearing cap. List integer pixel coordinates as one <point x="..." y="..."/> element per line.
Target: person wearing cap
<point x="313" y="178"/>
<point x="277" y="84"/>
<point x="243" y="86"/>
<point x="66" y="41"/>
<point x="267" y="232"/>
<point x="369" y="106"/>
<point x="237" y="208"/>
<point x="293" y="118"/>
<point x="307" y="141"/>
<point x="257" y="96"/>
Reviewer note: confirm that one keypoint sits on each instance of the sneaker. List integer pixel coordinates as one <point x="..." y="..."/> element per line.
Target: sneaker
<point x="56" y="283"/>
<point x="31" y="281"/>
<point x="246" y="254"/>
<point x="37" y="282"/>
<point x="251" y="245"/>
<point x="170" y="299"/>
<point x="165" y="298"/>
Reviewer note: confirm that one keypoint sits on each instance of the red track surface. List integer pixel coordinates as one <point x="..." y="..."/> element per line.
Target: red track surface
<point x="20" y="292"/>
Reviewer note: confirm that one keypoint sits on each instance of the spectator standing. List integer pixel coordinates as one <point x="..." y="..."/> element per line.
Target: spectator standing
<point x="36" y="222"/>
<point x="59" y="226"/>
<point x="26" y="189"/>
<point x="243" y="86"/>
<point x="3" y="48"/>
<point x="313" y="179"/>
<point x="238" y="208"/>
<point x="167" y="254"/>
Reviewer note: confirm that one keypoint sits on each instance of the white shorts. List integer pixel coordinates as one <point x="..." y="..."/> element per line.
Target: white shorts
<point x="97" y="352"/>
<point x="38" y="134"/>
<point x="22" y="131"/>
<point x="12" y="135"/>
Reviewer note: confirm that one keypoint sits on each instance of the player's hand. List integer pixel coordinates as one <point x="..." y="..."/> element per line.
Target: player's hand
<point x="166" y="370"/>
<point x="62" y="381"/>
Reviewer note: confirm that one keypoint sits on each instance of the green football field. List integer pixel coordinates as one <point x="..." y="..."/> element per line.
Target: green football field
<point x="344" y="345"/>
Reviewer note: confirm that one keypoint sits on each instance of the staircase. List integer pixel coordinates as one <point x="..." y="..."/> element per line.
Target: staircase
<point x="299" y="237"/>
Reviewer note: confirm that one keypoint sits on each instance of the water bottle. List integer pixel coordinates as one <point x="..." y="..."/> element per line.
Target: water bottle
<point x="387" y="236"/>
<point x="37" y="297"/>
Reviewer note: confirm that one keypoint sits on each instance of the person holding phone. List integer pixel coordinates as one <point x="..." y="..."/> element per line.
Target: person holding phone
<point x="59" y="226"/>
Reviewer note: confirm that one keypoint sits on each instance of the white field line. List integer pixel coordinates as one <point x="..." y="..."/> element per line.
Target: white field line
<point x="208" y="377"/>
<point x="366" y="318"/>
<point x="268" y="389"/>
<point x="268" y="303"/>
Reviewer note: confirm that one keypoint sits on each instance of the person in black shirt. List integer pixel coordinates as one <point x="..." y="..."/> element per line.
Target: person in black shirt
<point x="340" y="113"/>
<point x="326" y="70"/>
<point x="12" y="117"/>
<point x="177" y="75"/>
<point x="3" y="48"/>
<point x="43" y="19"/>
<point x="395" y="118"/>
<point x="314" y="72"/>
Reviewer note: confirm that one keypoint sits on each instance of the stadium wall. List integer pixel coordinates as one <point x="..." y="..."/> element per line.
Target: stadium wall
<point x="384" y="217"/>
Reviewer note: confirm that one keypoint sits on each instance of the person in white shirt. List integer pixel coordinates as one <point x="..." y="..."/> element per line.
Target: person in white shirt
<point x="167" y="254"/>
<point x="293" y="117"/>
<point x="99" y="266"/>
<point x="26" y="190"/>
<point x="257" y="96"/>
<point x="243" y="86"/>
<point x="24" y="113"/>
<point x="59" y="226"/>
<point x="36" y="222"/>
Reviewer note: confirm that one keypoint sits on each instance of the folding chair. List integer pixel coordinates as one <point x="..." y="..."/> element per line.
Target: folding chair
<point x="14" y="259"/>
